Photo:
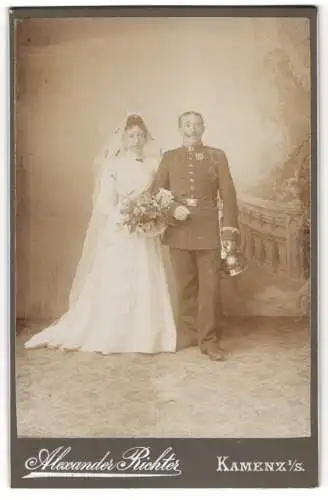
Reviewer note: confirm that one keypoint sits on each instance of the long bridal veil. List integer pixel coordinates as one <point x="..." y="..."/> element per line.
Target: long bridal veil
<point x="111" y="149"/>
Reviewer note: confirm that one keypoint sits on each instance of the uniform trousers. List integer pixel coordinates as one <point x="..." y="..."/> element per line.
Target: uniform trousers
<point x="197" y="274"/>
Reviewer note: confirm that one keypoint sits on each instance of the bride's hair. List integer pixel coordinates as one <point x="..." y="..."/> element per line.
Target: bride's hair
<point x="136" y="120"/>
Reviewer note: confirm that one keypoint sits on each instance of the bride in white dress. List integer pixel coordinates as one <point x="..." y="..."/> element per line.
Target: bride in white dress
<point x="119" y="301"/>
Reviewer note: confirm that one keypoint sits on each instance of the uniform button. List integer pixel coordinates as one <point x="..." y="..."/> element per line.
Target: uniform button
<point x="192" y="180"/>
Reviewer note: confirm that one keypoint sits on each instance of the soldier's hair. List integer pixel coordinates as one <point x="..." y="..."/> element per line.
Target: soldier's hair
<point x="186" y="113"/>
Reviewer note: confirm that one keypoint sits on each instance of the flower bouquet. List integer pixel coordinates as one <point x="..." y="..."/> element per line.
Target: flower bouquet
<point x="146" y="214"/>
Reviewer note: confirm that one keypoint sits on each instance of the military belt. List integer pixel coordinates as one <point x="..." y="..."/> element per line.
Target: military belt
<point x="198" y="202"/>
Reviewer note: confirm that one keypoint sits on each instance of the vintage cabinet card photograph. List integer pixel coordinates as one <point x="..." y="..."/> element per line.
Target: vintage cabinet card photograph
<point x="164" y="247"/>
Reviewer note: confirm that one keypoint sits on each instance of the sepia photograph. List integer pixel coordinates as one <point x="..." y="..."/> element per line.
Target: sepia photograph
<point x="162" y="226"/>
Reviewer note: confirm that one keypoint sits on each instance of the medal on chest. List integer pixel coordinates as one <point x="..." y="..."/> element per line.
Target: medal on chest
<point x="195" y="156"/>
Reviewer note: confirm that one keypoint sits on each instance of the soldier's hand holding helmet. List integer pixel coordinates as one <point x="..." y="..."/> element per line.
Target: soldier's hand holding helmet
<point x="181" y="213"/>
<point x="230" y="238"/>
<point x="229" y="245"/>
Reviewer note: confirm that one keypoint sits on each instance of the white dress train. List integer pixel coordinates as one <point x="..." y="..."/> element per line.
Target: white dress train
<point x="124" y="304"/>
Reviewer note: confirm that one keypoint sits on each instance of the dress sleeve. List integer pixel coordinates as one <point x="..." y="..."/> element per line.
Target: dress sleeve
<point x="161" y="178"/>
<point x="162" y="181"/>
<point x="107" y="195"/>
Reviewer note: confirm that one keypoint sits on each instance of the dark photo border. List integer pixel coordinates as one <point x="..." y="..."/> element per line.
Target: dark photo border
<point x="198" y="458"/>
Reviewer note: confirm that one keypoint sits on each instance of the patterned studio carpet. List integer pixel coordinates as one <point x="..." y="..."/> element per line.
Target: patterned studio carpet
<point x="262" y="391"/>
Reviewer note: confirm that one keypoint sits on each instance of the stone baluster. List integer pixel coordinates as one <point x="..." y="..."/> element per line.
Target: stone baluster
<point x="294" y="267"/>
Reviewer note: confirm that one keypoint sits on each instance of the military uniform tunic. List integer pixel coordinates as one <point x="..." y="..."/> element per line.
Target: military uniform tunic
<point x="197" y="176"/>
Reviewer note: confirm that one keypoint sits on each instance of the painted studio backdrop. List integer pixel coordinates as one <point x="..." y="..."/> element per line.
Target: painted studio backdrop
<point x="250" y="78"/>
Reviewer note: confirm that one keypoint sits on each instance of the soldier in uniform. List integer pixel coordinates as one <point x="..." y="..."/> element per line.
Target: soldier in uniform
<point x="196" y="174"/>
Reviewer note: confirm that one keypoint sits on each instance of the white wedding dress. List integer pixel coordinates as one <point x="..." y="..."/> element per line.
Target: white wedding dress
<point x="123" y="305"/>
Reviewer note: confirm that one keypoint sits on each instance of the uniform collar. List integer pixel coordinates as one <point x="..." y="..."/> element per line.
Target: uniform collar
<point x="197" y="147"/>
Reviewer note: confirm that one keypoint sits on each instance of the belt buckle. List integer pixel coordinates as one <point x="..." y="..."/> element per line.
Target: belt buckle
<point x="191" y="202"/>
